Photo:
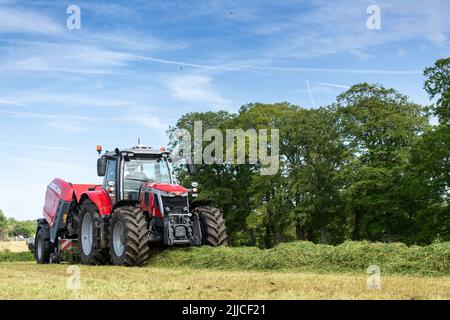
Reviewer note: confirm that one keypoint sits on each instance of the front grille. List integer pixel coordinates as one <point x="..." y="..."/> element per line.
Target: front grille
<point x="176" y="204"/>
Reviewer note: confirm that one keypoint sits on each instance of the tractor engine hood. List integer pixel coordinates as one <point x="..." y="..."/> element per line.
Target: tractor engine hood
<point x="171" y="189"/>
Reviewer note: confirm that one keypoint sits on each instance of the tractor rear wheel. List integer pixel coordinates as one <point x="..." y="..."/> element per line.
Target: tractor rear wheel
<point x="128" y="241"/>
<point x="213" y="226"/>
<point x="42" y="248"/>
<point x="88" y="235"/>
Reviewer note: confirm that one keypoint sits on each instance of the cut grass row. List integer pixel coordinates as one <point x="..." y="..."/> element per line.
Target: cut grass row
<point x="391" y="258"/>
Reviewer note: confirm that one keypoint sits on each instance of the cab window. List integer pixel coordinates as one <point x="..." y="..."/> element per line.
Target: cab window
<point x="110" y="172"/>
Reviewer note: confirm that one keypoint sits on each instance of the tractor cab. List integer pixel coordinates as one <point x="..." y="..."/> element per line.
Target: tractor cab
<point x="126" y="171"/>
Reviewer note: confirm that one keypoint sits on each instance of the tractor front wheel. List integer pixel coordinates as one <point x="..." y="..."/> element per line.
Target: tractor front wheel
<point x="214" y="232"/>
<point x="128" y="241"/>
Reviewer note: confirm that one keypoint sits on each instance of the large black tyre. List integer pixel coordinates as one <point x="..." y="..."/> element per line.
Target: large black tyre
<point x="42" y="248"/>
<point x="88" y="236"/>
<point x="128" y="241"/>
<point x="214" y="232"/>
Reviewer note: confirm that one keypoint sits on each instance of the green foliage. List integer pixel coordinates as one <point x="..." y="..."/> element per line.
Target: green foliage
<point x="10" y="227"/>
<point x="368" y="167"/>
<point x="432" y="153"/>
<point x="392" y="258"/>
<point x="25" y="228"/>
<point x="3" y="226"/>
<point x="380" y="127"/>
<point x="8" y="256"/>
<point x="437" y="86"/>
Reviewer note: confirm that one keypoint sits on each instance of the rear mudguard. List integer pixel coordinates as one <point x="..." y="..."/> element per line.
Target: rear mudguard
<point x="101" y="199"/>
<point x="42" y="224"/>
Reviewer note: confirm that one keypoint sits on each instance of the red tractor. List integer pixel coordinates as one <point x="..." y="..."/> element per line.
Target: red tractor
<point x="139" y="205"/>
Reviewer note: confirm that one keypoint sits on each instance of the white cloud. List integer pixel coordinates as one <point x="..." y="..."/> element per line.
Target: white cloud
<point x="76" y="99"/>
<point x="319" y="29"/>
<point x="360" y="54"/>
<point x="339" y="27"/>
<point x="71" y="123"/>
<point x="145" y="116"/>
<point x="9" y="102"/>
<point x="86" y="53"/>
<point x="339" y="70"/>
<point x="39" y="115"/>
<point x="67" y="125"/>
<point x="133" y="41"/>
<point x="196" y="89"/>
<point x="37" y="146"/>
<point x="175" y="62"/>
<point x="60" y="57"/>
<point x="24" y="21"/>
<point x="401" y="52"/>
<point x="148" y="121"/>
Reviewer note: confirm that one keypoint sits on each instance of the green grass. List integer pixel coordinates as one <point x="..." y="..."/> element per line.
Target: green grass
<point x="8" y="256"/>
<point x="28" y="280"/>
<point x="298" y="270"/>
<point x="392" y="258"/>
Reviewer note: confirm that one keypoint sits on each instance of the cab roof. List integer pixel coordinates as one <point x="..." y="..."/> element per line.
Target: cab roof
<point x="139" y="150"/>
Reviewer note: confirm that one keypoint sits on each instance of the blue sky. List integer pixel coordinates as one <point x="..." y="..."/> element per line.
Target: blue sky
<point x="134" y="67"/>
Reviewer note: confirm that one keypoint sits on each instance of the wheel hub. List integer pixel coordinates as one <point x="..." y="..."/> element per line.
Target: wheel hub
<point x="40" y="248"/>
<point x="118" y="239"/>
<point x="87" y="231"/>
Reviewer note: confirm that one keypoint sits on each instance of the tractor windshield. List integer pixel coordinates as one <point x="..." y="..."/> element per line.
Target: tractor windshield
<point x="138" y="171"/>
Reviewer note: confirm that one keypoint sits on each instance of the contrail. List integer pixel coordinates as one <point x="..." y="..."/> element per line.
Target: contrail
<point x="310" y="94"/>
<point x="333" y="85"/>
<point x="357" y="71"/>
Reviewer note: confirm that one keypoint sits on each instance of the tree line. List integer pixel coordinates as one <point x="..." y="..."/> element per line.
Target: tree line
<point x="373" y="165"/>
<point x="10" y="227"/>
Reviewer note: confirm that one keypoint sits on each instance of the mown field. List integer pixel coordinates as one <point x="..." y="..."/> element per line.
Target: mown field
<point x="13" y="246"/>
<point x="291" y="271"/>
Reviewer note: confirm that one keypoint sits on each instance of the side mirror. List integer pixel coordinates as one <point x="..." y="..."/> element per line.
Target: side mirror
<point x="101" y="167"/>
<point x="191" y="169"/>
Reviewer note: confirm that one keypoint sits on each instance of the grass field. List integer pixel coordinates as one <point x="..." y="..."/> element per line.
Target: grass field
<point x="26" y="280"/>
<point x="298" y="270"/>
<point x="14" y="246"/>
